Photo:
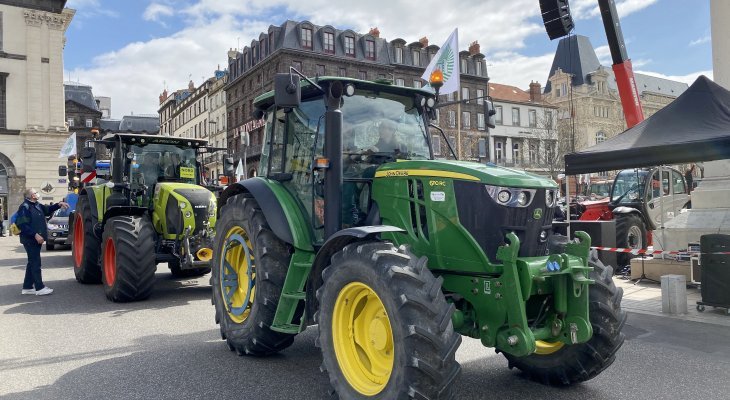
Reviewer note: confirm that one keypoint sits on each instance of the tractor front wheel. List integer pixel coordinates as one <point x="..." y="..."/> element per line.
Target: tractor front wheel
<point x="560" y="364"/>
<point x="630" y="234"/>
<point x="86" y="245"/>
<point x="128" y="258"/>
<point x="385" y="326"/>
<point x="249" y="268"/>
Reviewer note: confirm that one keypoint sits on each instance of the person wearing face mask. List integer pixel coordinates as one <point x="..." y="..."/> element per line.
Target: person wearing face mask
<point x="31" y="220"/>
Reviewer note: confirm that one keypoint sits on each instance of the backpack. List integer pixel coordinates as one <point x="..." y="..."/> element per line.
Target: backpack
<point x="15" y="229"/>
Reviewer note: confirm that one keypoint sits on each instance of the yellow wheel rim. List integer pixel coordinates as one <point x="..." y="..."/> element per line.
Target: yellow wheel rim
<point x="237" y="274"/>
<point x="363" y="338"/>
<point x="544" y="348"/>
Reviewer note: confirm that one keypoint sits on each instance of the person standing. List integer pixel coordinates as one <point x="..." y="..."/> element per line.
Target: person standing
<point x="31" y="220"/>
<point x="689" y="177"/>
<point x="2" y="220"/>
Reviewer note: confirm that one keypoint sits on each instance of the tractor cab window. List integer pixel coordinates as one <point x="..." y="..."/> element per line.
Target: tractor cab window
<point x="155" y="163"/>
<point x="628" y="186"/>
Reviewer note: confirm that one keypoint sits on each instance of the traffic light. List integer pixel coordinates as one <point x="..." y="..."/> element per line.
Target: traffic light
<point x="556" y="18"/>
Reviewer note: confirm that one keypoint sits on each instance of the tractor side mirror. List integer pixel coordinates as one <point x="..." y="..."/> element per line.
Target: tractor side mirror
<point x="88" y="159"/>
<point x="287" y="90"/>
<point x="228" y="169"/>
<point x="62" y="170"/>
<point x="490" y="112"/>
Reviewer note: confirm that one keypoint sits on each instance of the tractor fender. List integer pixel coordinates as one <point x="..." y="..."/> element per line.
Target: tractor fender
<point x="334" y="244"/>
<point x="116" y="211"/>
<point x="288" y="225"/>
<point x="91" y="194"/>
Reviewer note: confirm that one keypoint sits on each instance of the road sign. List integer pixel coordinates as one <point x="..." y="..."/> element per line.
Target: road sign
<point x="86" y="177"/>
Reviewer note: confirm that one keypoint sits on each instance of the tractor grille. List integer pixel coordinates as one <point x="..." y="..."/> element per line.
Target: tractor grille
<point x="198" y="200"/>
<point x="488" y="222"/>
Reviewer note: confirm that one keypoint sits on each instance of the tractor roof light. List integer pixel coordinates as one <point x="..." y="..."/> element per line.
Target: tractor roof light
<point x="321" y="163"/>
<point x="436" y="80"/>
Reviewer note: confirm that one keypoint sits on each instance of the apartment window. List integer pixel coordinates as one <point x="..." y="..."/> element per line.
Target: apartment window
<point x="399" y="55"/>
<point x="533" y="153"/>
<point x="320" y="69"/>
<point x="516" y="117"/>
<point x="480" y="96"/>
<point x="363" y="75"/>
<point x="480" y="121"/>
<point x="466" y="120"/>
<point x="297" y="66"/>
<point x="343" y="71"/>
<point x="370" y="49"/>
<point x="516" y="153"/>
<point x="479" y="68"/>
<point x="482" y="144"/>
<point x="350" y="46"/>
<point x="548" y="119"/>
<point x="416" y="83"/>
<point x="1" y="39"/>
<point x="400" y="82"/>
<point x="89" y="122"/>
<point x="452" y="119"/>
<point x="307" y="38"/>
<point x="450" y="96"/>
<point x="600" y="137"/>
<point x="465" y="94"/>
<point x="3" y="90"/>
<point x="564" y="87"/>
<point x="498" y="151"/>
<point x="436" y="142"/>
<point x="329" y="42"/>
<point x="416" y="58"/>
<point x="438" y="115"/>
<point x="463" y="66"/>
<point x="70" y="122"/>
<point x="532" y="118"/>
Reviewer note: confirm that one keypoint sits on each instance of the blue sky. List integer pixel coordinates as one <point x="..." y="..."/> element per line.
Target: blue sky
<point x="130" y="49"/>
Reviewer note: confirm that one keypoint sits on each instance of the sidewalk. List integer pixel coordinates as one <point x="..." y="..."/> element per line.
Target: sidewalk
<point x="645" y="297"/>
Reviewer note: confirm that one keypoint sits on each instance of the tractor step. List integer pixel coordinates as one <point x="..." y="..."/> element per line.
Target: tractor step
<point x="293" y="293"/>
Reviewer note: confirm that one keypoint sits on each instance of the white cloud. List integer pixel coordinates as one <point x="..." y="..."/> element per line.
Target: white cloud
<point x="86" y="9"/>
<point x="585" y="9"/>
<point x="702" y="40"/>
<point x="688" y="79"/>
<point x="154" y="11"/>
<point x="510" y="68"/>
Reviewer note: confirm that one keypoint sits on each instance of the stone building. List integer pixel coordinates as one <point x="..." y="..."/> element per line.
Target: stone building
<point x="217" y="121"/>
<point x="325" y="50"/>
<point x="580" y="86"/>
<point x="82" y="115"/>
<point x="32" y="110"/>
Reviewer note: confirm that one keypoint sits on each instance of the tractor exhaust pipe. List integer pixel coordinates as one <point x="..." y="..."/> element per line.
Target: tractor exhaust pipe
<point x="204" y="254"/>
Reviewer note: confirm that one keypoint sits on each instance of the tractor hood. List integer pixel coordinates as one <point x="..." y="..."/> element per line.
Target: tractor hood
<point x="465" y="170"/>
<point x="178" y="206"/>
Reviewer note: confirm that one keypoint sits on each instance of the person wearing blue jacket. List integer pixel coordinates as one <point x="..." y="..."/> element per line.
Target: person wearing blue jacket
<point x="31" y="220"/>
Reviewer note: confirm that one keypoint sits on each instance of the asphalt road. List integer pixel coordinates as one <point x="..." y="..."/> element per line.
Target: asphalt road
<point x="74" y="344"/>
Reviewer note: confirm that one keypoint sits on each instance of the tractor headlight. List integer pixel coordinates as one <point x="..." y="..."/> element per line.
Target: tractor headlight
<point x="511" y="197"/>
<point x="188" y="214"/>
<point x="549" y="198"/>
<point x="183" y="205"/>
<point x="523" y="198"/>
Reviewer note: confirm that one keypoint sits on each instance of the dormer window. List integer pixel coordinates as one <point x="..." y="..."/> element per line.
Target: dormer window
<point x="329" y="42"/>
<point x="416" y="58"/>
<point x="271" y="42"/>
<point x="479" y="67"/>
<point x="399" y="55"/>
<point x="350" y="46"/>
<point x="307" y="38"/>
<point x="370" y="49"/>
<point x="463" y="66"/>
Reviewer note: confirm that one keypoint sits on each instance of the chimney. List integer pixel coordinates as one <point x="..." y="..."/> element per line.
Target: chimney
<point x="474" y="48"/>
<point x="232" y="54"/>
<point x="535" y="90"/>
<point x="375" y="32"/>
<point x="423" y="41"/>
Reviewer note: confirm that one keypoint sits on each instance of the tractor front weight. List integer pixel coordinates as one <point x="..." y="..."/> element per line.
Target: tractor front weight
<point x="531" y="299"/>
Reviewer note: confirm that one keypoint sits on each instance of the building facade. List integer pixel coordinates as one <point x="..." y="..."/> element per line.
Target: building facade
<point x="32" y="105"/>
<point x="217" y="119"/>
<point x="82" y="115"/>
<point x="327" y="51"/>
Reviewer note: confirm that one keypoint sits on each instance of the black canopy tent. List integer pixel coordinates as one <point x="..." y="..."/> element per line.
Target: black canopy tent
<point x="694" y="127"/>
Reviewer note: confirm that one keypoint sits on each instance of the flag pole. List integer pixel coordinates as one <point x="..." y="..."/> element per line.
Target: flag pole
<point x="458" y="124"/>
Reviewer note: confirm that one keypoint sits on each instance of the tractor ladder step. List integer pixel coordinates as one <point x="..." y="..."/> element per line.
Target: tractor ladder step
<point x="293" y="294"/>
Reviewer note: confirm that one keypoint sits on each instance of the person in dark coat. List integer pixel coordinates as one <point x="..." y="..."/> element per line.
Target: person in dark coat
<point x="31" y="220"/>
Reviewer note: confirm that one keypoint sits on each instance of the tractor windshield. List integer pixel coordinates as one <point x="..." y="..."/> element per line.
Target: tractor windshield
<point x="628" y="186"/>
<point x="161" y="162"/>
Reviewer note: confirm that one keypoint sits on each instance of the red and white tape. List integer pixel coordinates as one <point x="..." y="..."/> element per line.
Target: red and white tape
<point x="653" y="252"/>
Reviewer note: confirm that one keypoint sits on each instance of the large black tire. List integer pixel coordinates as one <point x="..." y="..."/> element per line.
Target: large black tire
<point x="86" y="245"/>
<point x="420" y="358"/>
<point x="128" y="258"/>
<point x="581" y="362"/>
<point x="178" y="272"/>
<point x="248" y="330"/>
<point x="630" y="234"/>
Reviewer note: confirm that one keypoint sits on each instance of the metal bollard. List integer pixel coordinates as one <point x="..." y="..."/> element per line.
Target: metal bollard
<point x="674" y="294"/>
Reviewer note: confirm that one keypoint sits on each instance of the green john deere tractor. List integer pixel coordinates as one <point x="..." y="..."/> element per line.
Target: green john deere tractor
<point x="395" y="254"/>
<point x="152" y="210"/>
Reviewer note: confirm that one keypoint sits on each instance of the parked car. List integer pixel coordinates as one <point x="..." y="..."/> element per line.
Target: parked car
<point x="58" y="229"/>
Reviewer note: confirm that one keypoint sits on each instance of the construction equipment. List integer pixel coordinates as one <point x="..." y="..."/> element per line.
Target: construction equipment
<point x="637" y="203"/>
<point x="395" y="254"/>
<point x="152" y="210"/>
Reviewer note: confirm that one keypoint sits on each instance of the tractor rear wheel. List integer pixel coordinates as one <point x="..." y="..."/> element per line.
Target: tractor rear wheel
<point x="86" y="245"/>
<point x="630" y="234"/>
<point x="249" y="268"/>
<point x="128" y="258"/>
<point x="385" y="326"/>
<point x="559" y="364"/>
